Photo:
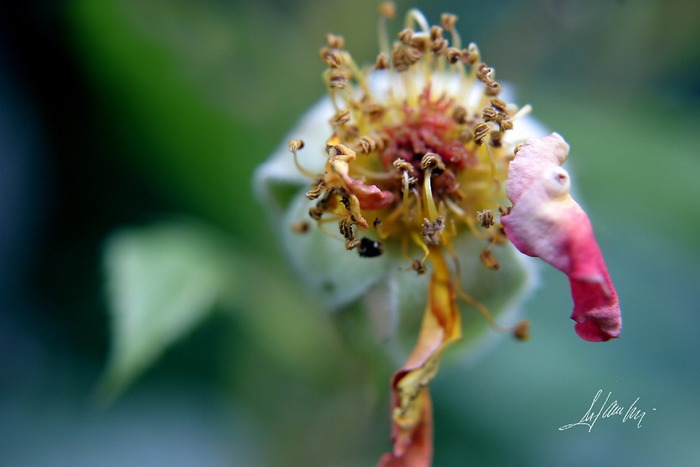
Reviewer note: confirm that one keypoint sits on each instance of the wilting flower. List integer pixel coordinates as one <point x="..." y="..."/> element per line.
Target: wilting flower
<point x="407" y="164"/>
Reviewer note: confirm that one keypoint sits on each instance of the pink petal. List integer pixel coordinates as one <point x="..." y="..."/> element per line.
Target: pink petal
<point x="547" y="223"/>
<point x="370" y="196"/>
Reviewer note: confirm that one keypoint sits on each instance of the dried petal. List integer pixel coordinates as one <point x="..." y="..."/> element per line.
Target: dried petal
<point x="546" y="222"/>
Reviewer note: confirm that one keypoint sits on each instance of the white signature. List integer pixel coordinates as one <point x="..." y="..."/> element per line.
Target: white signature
<point x="606" y="410"/>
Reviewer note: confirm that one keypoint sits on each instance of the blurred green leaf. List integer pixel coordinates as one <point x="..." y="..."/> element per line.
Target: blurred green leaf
<point x="162" y="280"/>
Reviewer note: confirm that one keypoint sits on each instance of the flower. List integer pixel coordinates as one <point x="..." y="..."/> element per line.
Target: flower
<point x="407" y="164"/>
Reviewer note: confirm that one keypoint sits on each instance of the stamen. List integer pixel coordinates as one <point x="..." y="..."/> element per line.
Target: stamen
<point x="387" y="11"/>
<point x="430" y="162"/>
<point x="416" y="16"/>
<point x="294" y="146"/>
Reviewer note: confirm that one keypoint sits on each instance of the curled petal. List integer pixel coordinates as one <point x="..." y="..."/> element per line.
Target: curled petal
<point x="546" y="222"/>
<point x="369" y="196"/>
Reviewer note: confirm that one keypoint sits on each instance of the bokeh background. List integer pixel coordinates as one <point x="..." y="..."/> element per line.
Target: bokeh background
<point x="120" y="116"/>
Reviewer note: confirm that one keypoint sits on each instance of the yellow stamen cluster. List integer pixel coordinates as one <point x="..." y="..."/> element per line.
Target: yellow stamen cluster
<point x="416" y="148"/>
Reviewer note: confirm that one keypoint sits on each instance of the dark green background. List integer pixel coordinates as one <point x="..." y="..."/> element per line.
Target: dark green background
<point x="116" y="113"/>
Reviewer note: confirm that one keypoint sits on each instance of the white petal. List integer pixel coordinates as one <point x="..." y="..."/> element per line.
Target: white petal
<point x="334" y="275"/>
<point x="273" y="180"/>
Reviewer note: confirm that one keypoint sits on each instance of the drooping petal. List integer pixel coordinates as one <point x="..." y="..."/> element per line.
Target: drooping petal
<point x="412" y="414"/>
<point x="546" y="222"/>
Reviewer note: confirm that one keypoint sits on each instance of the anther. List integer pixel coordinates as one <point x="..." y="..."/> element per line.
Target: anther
<point x="452" y="55"/>
<point x="367" y="145"/>
<point x="433" y="162"/>
<point x="448" y="21"/>
<point x="387" y="10"/>
<point x="489" y="260"/>
<point x="341" y="117"/>
<point x="417" y="266"/>
<point x="480" y="132"/>
<point x="459" y="114"/>
<point x="315" y="192"/>
<point x="485" y="218"/>
<point x="521" y="331"/>
<point x="382" y="62"/>
<point x="433" y="230"/>
<point x="351" y="243"/>
<point x="403" y="165"/>
<point x="499" y="105"/>
<point x="333" y="59"/>
<point x="301" y="227"/>
<point x="346" y="229"/>
<point x="406" y="35"/>
<point x="295" y="144"/>
<point x="404" y="57"/>
<point x="335" y="41"/>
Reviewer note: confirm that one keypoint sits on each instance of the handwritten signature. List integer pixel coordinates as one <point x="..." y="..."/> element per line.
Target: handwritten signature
<point x="613" y="409"/>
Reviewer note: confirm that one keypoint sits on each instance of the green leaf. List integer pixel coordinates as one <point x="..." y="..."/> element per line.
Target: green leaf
<point x="162" y="281"/>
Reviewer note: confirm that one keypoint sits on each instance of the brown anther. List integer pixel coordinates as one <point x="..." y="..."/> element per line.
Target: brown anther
<point x="333" y="59"/>
<point x="367" y="145"/>
<point x="420" y="41"/>
<point x="465" y="135"/>
<point x="438" y="46"/>
<point x="480" y="131"/>
<point x="418" y="267"/>
<point x="485" y="218"/>
<point x="316" y="213"/>
<point x="345" y="201"/>
<point x="351" y="131"/>
<point x="504" y="211"/>
<point x="295" y="144"/>
<point x="499" y="105"/>
<point x="433" y="162"/>
<point x="493" y="89"/>
<point x="517" y="148"/>
<point x="351" y="243"/>
<point x="340" y="150"/>
<point x="341" y="117"/>
<point x="339" y="77"/>
<point x="406" y="35"/>
<point x="374" y="111"/>
<point x="334" y="41"/>
<point x="301" y="227"/>
<point x="505" y="124"/>
<point x="382" y="62"/>
<point x="387" y="10"/>
<point x="404" y="57"/>
<point x="459" y="114"/>
<point x="484" y="74"/>
<point x="496" y="139"/>
<point x="346" y="229"/>
<point x="435" y="33"/>
<point x="315" y="192"/>
<point x="489" y="260"/>
<point x="433" y="230"/>
<point x="469" y="57"/>
<point x="521" y="331"/>
<point x="490" y="114"/>
<point x="452" y="55"/>
<point x="448" y="21"/>
<point x="401" y="164"/>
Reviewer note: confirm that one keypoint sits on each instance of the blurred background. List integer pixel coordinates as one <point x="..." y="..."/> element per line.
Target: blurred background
<point x="120" y="119"/>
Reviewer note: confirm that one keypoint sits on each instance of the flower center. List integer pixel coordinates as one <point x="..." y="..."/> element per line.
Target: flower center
<point x="417" y="145"/>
